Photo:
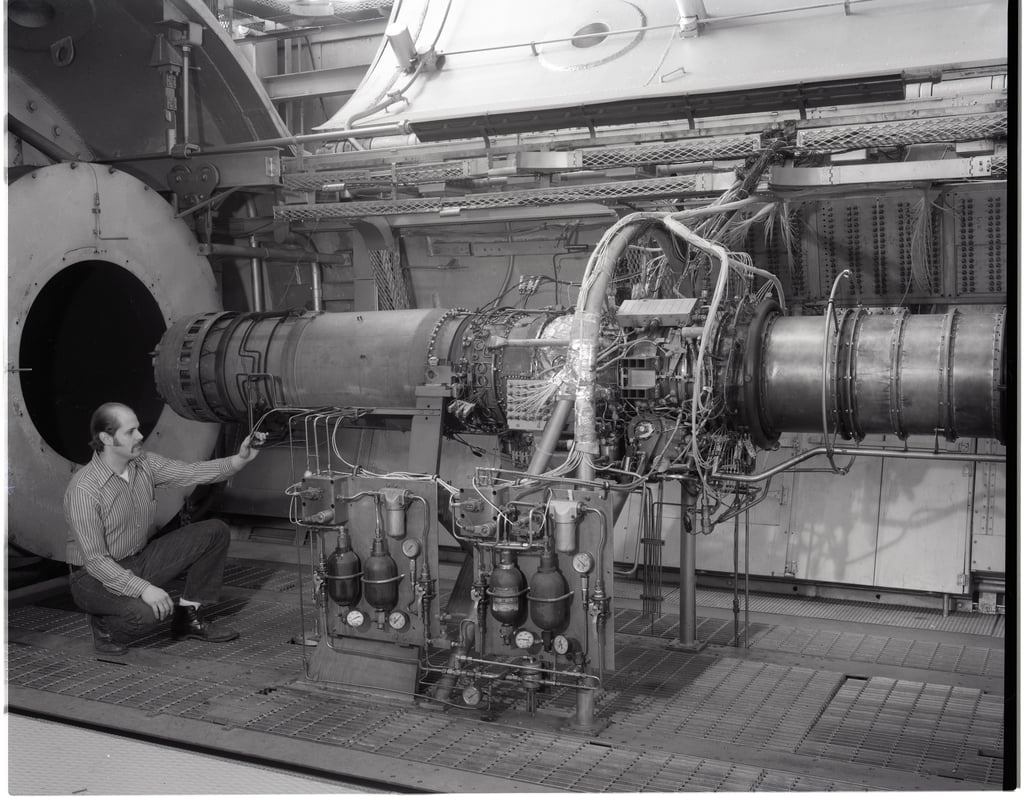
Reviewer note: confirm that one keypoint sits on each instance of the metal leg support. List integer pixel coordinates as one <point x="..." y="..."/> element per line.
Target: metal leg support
<point x="687" y="574"/>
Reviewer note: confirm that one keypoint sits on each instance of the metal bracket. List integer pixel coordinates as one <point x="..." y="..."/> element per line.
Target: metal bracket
<point x="192" y="186"/>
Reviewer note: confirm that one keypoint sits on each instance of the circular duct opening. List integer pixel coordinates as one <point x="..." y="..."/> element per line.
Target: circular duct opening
<point x="590" y="35"/>
<point x="88" y="338"/>
<point x="31" y="13"/>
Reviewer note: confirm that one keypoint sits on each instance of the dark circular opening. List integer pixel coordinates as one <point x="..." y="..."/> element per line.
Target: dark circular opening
<point x="89" y="338"/>
<point x="590" y="35"/>
<point x="31" y="13"/>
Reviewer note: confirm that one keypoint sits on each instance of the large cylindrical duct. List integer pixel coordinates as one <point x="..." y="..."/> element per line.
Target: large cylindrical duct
<point x="97" y="271"/>
<point x="885" y="373"/>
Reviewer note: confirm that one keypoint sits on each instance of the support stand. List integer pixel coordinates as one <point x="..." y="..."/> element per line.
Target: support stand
<point x="687" y="575"/>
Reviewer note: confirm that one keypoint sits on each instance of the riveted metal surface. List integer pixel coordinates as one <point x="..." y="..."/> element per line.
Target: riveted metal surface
<point x="951" y="731"/>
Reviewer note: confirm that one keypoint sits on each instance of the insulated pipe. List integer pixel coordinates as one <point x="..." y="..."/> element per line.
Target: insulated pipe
<point x="585" y="335"/>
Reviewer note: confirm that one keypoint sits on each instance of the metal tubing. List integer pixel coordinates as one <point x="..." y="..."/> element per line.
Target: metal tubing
<point x="256" y="278"/>
<point x="37" y="140"/>
<point x="317" y="287"/>
<point x="255" y="264"/>
<point x="552" y="431"/>
<point x="858" y="452"/>
<point x="527" y="343"/>
<point x="271" y="253"/>
<point x="585" y="699"/>
<point x="186" y="52"/>
<point x="746" y="579"/>
<point x="397" y="129"/>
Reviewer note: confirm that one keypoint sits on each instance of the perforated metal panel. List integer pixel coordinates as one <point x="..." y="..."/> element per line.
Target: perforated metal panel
<point x="979" y="240"/>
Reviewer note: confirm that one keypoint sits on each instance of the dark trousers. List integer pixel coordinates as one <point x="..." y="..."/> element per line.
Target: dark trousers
<point x="201" y="549"/>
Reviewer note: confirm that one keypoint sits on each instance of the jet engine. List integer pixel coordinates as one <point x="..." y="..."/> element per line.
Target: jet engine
<point x="683" y="369"/>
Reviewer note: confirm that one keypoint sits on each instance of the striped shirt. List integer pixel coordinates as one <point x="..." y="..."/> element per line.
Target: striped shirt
<point x="110" y="517"/>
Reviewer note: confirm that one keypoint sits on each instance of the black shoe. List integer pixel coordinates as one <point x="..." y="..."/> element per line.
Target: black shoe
<point x="102" y="638"/>
<point x="187" y="624"/>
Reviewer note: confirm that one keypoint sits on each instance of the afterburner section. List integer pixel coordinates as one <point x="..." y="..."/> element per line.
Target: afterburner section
<point x="98" y="270"/>
<point x="885" y="373"/>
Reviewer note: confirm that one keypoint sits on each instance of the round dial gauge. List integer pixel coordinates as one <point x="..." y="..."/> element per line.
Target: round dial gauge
<point x="525" y="638"/>
<point x="470" y="695"/>
<point x="355" y="618"/>
<point x="398" y="620"/>
<point x="411" y="548"/>
<point x="562" y="644"/>
<point x="583" y="562"/>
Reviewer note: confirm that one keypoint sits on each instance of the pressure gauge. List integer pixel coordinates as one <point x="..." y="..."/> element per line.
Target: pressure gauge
<point x="562" y="644"/>
<point x="525" y="639"/>
<point x="398" y="620"/>
<point x="583" y="563"/>
<point x="411" y="549"/>
<point x="355" y="618"/>
<point x="471" y="696"/>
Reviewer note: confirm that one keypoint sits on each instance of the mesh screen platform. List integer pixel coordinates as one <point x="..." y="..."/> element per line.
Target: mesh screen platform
<point x="842" y="705"/>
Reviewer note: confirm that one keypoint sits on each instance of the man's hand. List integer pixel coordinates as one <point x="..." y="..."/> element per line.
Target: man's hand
<point x="250" y="447"/>
<point x="158" y="600"/>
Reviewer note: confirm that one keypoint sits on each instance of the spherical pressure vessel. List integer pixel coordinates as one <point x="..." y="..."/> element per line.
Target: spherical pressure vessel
<point x="549" y="593"/>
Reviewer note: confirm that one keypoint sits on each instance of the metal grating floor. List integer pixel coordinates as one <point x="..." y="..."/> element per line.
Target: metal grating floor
<point x="725" y="718"/>
<point x="847" y="611"/>
<point x="921" y="727"/>
<point x="882" y="649"/>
